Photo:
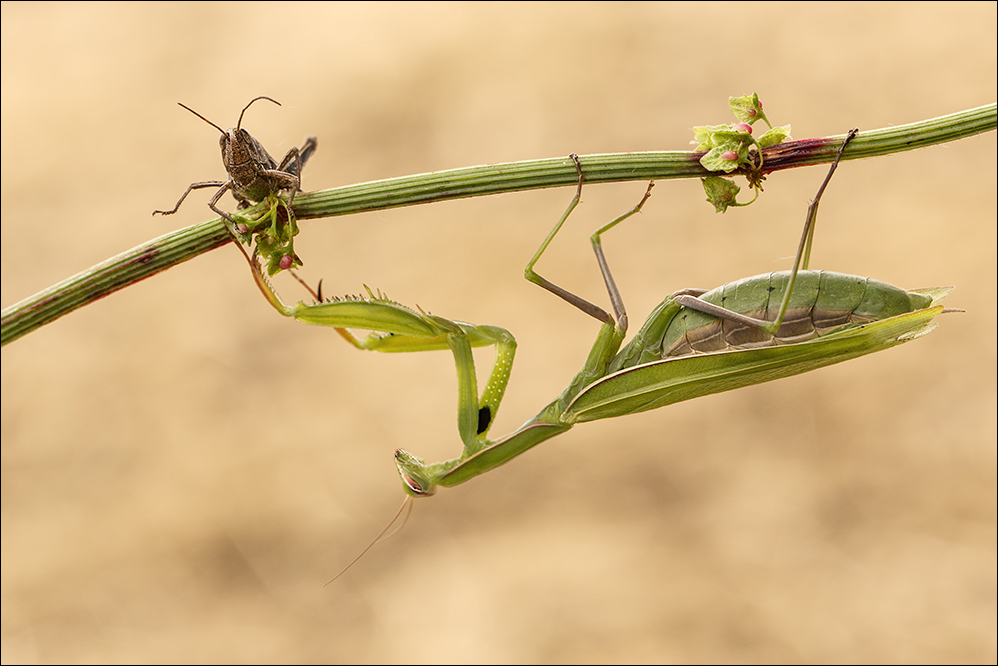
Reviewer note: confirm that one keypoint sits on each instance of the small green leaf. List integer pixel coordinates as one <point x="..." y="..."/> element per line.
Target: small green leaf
<point x="748" y="109"/>
<point x="727" y="135"/>
<point x="721" y="192"/>
<point x="775" y="136"/>
<point x="706" y="137"/>
<point x="726" y="157"/>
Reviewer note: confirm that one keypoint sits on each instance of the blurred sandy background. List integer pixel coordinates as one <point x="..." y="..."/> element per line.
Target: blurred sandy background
<point x="183" y="468"/>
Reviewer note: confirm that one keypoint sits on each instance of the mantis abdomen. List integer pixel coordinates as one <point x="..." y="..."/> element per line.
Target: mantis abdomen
<point x="822" y="301"/>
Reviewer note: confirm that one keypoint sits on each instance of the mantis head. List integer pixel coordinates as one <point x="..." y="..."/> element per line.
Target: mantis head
<point x="416" y="479"/>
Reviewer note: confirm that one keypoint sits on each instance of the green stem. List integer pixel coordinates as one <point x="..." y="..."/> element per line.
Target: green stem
<point x="179" y="246"/>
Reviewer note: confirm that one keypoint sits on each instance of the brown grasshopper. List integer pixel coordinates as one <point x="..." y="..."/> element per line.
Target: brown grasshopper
<point x="253" y="173"/>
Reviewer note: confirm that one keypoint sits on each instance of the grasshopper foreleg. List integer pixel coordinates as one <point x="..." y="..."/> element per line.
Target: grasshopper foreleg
<point x="195" y="186"/>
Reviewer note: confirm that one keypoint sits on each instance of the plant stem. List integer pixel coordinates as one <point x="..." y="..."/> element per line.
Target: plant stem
<point x="177" y="247"/>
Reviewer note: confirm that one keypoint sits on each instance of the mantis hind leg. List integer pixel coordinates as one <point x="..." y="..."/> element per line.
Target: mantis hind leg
<point x="801" y="262"/>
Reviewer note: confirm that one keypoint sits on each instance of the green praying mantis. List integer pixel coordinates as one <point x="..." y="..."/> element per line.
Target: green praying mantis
<point x="694" y="343"/>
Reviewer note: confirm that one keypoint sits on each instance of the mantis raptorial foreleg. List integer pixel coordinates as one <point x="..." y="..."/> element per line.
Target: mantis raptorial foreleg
<point x="396" y="328"/>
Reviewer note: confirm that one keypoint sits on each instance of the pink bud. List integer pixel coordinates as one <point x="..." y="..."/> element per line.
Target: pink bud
<point x="241" y="229"/>
<point x="729" y="155"/>
<point x="752" y="112"/>
<point x="743" y="127"/>
<point x="286" y="262"/>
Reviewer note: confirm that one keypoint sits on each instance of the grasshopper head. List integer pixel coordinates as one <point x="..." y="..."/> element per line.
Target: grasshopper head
<point x="240" y="151"/>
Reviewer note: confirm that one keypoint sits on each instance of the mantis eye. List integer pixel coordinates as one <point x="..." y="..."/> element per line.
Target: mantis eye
<point x="413" y="488"/>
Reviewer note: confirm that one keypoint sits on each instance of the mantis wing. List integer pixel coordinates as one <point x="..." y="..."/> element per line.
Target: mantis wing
<point x="665" y="382"/>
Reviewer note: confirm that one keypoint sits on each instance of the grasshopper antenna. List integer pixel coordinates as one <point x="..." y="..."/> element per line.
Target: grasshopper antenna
<point x="407" y="507"/>
<point x="205" y="119"/>
<point x="239" y="124"/>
